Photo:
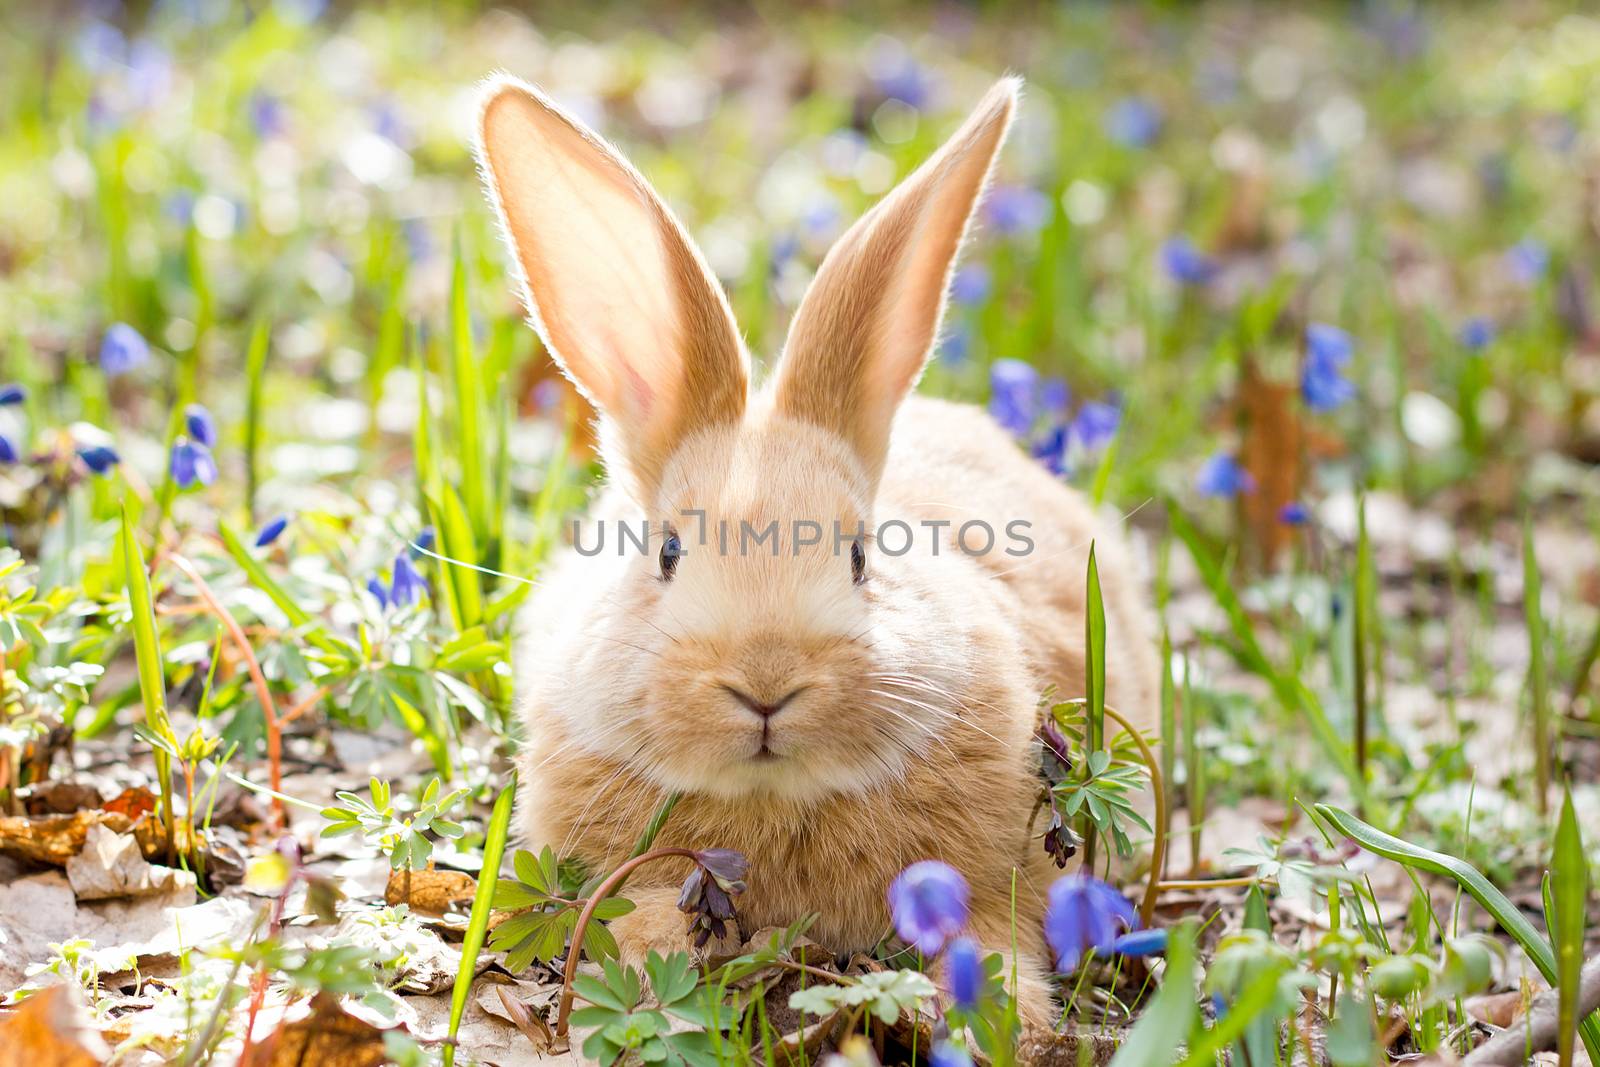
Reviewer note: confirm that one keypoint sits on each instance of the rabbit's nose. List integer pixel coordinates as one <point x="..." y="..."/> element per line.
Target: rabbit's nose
<point x="763" y="708"/>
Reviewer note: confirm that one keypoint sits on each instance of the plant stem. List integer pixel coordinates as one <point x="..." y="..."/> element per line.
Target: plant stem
<point x="1158" y="849"/>
<point x="607" y="887"/>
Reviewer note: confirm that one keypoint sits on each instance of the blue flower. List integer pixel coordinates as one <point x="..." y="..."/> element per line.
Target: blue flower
<point x="266" y="114"/>
<point x="1051" y="450"/>
<point x="1096" y="425"/>
<point x="970" y="284"/>
<point x="1012" y="388"/>
<point x="379" y="593"/>
<point x="955" y="346"/>
<point x="1527" y="260"/>
<point x="1151" y="942"/>
<point x="272" y="531"/>
<point x="1328" y="344"/>
<point x="425" y="539"/>
<point x="928" y="901"/>
<point x="1322" y="386"/>
<point x="1054" y="396"/>
<point x="1016" y="209"/>
<point x="963" y="970"/>
<point x="1294" y="514"/>
<point x="202" y="427"/>
<point x="407" y="586"/>
<point x="905" y="81"/>
<point x="1222" y="476"/>
<point x="1476" y="334"/>
<point x="99" y="458"/>
<point x="122" y="350"/>
<point x="1084" y="913"/>
<point x="12" y="393"/>
<point x="1133" y="121"/>
<point x="949" y="1054"/>
<point x="1186" y="264"/>
<point x="8" y="450"/>
<point x="192" y="464"/>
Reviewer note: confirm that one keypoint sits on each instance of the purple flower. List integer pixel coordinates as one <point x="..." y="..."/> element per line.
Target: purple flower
<point x="963" y="970"/>
<point x="425" y="539"/>
<point x="1096" y="425"/>
<point x="1222" y="476"/>
<point x="906" y="81"/>
<point x="1054" y="396"/>
<point x="266" y="115"/>
<point x="949" y="1054"/>
<point x="1322" y="386"/>
<point x="99" y="458"/>
<point x="202" y="427"/>
<point x="407" y="586"/>
<point x="1084" y="913"/>
<point x="1133" y="121"/>
<point x="1527" y="260"/>
<point x="379" y="593"/>
<point x="928" y="901"/>
<point x="970" y="284"/>
<point x="122" y="350"/>
<point x="1051" y="450"/>
<point x="1294" y="514"/>
<point x="192" y="464"/>
<point x="717" y="877"/>
<point x="8" y="450"/>
<point x="1151" y="942"/>
<point x="1012" y="387"/>
<point x="1186" y="264"/>
<point x="12" y="393"/>
<point x="272" y="531"/>
<point x="1328" y="344"/>
<point x="1016" y="209"/>
<point x="1476" y="334"/>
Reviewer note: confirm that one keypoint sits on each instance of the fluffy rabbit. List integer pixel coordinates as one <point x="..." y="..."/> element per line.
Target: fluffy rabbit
<point x="837" y="710"/>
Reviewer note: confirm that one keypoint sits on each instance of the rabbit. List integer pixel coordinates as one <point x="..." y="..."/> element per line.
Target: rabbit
<point x="837" y="710"/>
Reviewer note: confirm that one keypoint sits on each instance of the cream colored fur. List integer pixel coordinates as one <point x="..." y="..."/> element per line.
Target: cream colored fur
<point x="916" y="690"/>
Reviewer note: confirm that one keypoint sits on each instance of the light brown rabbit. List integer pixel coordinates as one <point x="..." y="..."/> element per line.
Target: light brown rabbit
<point x="837" y="710"/>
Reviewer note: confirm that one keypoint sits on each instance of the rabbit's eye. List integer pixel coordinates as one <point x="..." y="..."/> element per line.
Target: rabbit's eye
<point x="671" y="549"/>
<point x="858" y="562"/>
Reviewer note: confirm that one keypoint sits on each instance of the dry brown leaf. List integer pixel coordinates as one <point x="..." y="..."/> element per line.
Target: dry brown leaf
<point x="54" y="839"/>
<point x="61" y="798"/>
<point x="133" y="802"/>
<point x="532" y="1025"/>
<point x="1272" y="450"/>
<point x="328" y="1037"/>
<point x="50" y="1030"/>
<point x="1498" y="1009"/>
<point x="431" y="891"/>
<point x="112" y="865"/>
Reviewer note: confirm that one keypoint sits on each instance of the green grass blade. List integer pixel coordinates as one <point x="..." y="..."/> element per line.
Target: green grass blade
<point x="1094" y="663"/>
<point x="1361" y="621"/>
<point x="455" y="532"/>
<point x="1569" y="893"/>
<point x="255" y="375"/>
<point x="147" y="650"/>
<point x="469" y="401"/>
<point x="494" y="849"/>
<point x="298" y="617"/>
<point x="1166" y="1024"/>
<point x="1538" y="676"/>
<point x="1477" y="886"/>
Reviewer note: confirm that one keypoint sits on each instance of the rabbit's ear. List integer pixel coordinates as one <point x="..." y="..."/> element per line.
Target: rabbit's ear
<point x="860" y="337"/>
<point x="612" y="282"/>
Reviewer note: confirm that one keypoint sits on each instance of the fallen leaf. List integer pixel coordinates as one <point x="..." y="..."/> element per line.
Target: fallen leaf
<point x="327" y="1037"/>
<point x="50" y="1029"/>
<point x="132" y="802"/>
<point x="53" y="839"/>
<point x="61" y="798"/>
<point x="112" y="865"/>
<point x="532" y="1025"/>
<point x="1498" y="1009"/>
<point x="431" y="891"/>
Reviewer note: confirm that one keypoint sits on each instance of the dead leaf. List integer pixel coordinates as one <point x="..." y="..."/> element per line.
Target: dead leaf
<point x="1498" y="1009"/>
<point x="432" y="891"/>
<point x="50" y="1029"/>
<point x="112" y="865"/>
<point x="532" y="1025"/>
<point x="1272" y="451"/>
<point x="328" y="1037"/>
<point x="53" y="839"/>
<point x="61" y="798"/>
<point x="133" y="802"/>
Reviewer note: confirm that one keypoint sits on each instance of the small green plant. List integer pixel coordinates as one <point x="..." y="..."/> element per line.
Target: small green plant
<point x="622" y="1028"/>
<point x="399" y="833"/>
<point x="546" y="896"/>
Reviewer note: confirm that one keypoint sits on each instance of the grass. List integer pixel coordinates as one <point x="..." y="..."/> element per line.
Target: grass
<point x="311" y="259"/>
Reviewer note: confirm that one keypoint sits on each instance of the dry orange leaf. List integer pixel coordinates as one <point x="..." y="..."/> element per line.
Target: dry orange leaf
<point x="50" y="1029"/>
<point x="431" y="891"/>
<point x="328" y="1037"/>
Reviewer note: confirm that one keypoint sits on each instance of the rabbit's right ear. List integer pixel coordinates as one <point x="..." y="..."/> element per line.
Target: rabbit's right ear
<point x="613" y="284"/>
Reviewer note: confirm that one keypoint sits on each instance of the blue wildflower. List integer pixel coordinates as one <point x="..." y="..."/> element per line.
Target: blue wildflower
<point x="928" y="901"/>
<point x="1095" y="425"/>
<point x="1151" y="942"/>
<point x="963" y="970"/>
<point x="1294" y="513"/>
<point x="1328" y="344"/>
<point x="1012" y="387"/>
<point x="8" y="450"/>
<point x="1133" y="121"/>
<point x="970" y="284"/>
<point x="272" y="531"/>
<point x="949" y="1054"/>
<point x="379" y="593"/>
<point x="12" y="393"/>
<point x="99" y="458"/>
<point x="192" y="464"/>
<point x="1476" y="334"/>
<point x="266" y="115"/>
<point x="1054" y="396"/>
<point x="407" y="586"/>
<point x="426" y="539"/>
<point x="1084" y="913"/>
<point x="1016" y="209"/>
<point x="1186" y="264"/>
<point x="906" y="81"/>
<point x="1322" y="386"/>
<point x="1527" y="260"/>
<point x="1051" y="450"/>
<point x="202" y="427"/>
<point x="122" y="350"/>
<point x="1222" y="476"/>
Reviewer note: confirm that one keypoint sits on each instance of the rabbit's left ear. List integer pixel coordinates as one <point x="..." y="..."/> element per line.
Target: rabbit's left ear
<point x="614" y="285"/>
<point x="860" y="337"/>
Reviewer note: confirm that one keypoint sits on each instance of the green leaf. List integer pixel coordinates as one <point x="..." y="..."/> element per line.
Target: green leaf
<point x="1569" y="893"/>
<point x="494" y="847"/>
<point x="147" y="651"/>
<point x="1538" y="675"/>
<point x="597" y="992"/>
<point x="1351" y="1042"/>
<point x="671" y="979"/>
<point x="1166" y="1024"/>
